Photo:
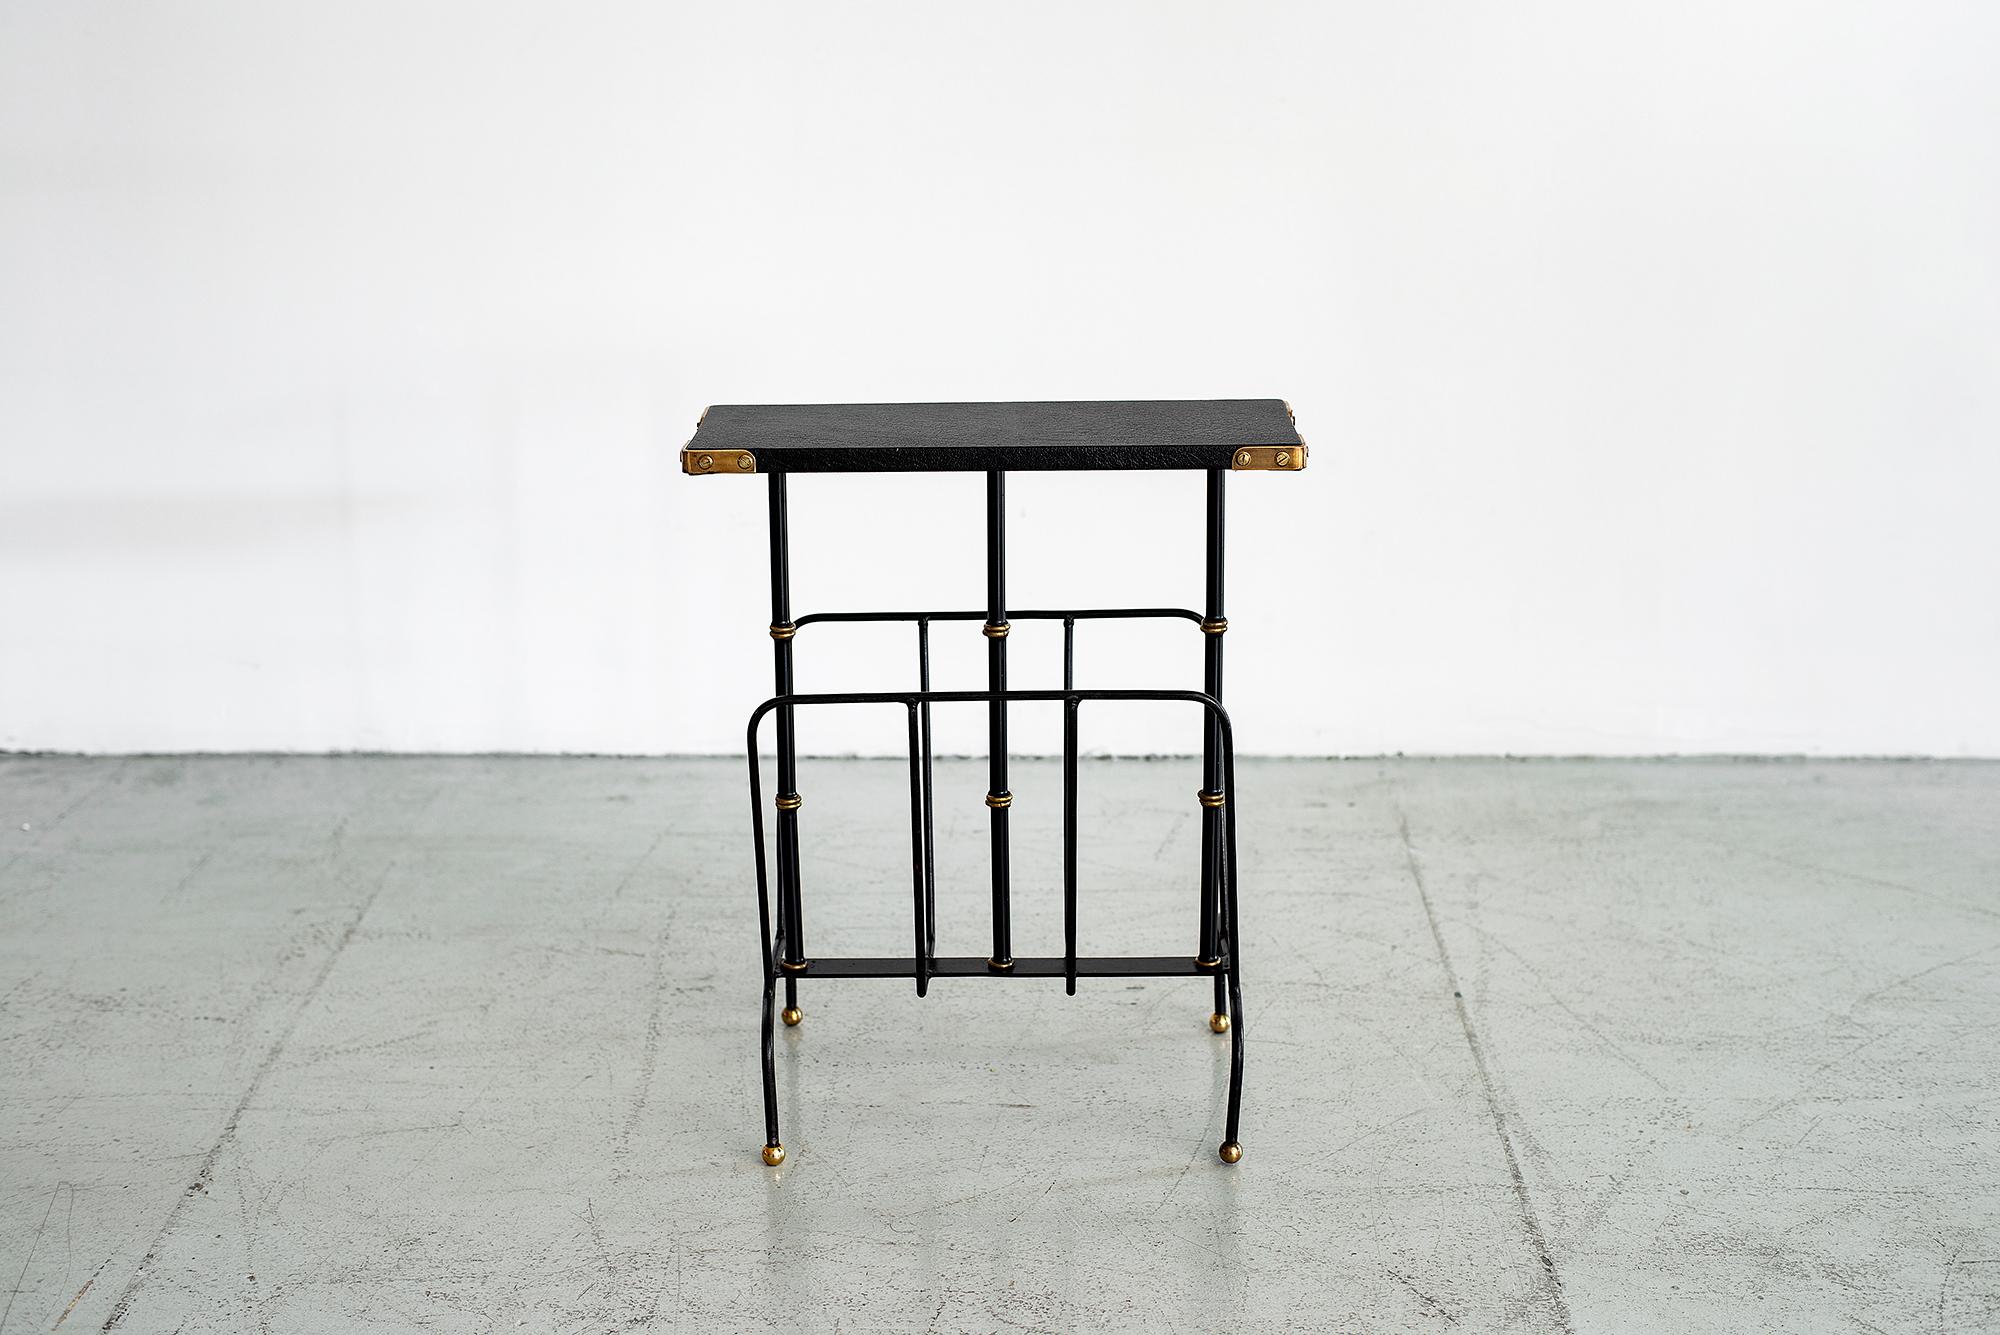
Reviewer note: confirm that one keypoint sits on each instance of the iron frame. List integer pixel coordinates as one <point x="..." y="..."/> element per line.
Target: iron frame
<point x="784" y="956"/>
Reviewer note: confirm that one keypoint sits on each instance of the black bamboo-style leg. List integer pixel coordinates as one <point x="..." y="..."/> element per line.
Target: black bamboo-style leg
<point x="998" y="797"/>
<point x="788" y="801"/>
<point x="1212" y="793"/>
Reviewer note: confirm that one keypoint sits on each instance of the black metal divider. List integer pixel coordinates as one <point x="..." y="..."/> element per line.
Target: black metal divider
<point x="923" y="965"/>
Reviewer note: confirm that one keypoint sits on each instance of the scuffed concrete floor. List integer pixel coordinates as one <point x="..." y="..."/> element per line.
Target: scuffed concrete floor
<point x="470" y="1045"/>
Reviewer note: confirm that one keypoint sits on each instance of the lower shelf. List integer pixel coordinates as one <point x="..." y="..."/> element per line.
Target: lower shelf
<point x="972" y="966"/>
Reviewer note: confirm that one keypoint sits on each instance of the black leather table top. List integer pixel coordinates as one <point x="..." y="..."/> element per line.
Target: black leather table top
<point x="1013" y="437"/>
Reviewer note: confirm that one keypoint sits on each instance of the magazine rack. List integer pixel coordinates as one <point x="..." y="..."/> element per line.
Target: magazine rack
<point x="1216" y="436"/>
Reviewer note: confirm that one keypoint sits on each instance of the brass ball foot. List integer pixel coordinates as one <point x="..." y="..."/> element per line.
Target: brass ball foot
<point x="791" y="1015"/>
<point x="1230" y="1151"/>
<point x="775" y="1155"/>
<point x="1219" y="1022"/>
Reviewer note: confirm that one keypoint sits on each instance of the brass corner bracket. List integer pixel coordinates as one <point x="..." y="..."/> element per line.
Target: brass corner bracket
<point x="999" y="801"/>
<point x="1215" y="626"/>
<point x="1270" y="458"/>
<point x="697" y="463"/>
<point x="995" y="630"/>
<point x="790" y="801"/>
<point x="1209" y="799"/>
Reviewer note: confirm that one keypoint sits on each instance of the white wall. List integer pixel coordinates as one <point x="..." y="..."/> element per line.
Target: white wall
<point x="1648" y="357"/>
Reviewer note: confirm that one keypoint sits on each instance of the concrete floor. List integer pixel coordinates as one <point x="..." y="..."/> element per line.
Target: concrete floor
<point x="470" y="1045"/>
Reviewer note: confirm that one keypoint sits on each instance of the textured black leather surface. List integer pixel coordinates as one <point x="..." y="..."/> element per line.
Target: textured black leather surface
<point x="1015" y="437"/>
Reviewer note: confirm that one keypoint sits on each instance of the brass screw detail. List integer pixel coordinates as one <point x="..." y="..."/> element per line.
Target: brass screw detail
<point x="1284" y="458"/>
<point x="699" y="462"/>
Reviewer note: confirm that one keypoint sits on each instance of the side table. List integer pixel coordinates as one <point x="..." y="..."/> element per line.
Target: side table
<point x="1216" y="436"/>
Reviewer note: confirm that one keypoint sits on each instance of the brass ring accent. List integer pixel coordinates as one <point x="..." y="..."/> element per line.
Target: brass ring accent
<point x="995" y="630"/>
<point x="997" y="965"/>
<point x="1214" y="799"/>
<point x="784" y="630"/>
<point x="1201" y="963"/>
<point x="1215" y="627"/>
<point x="999" y="801"/>
<point x="790" y="801"/>
<point x="790" y="967"/>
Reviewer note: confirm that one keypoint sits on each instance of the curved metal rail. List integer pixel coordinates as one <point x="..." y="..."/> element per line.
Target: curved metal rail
<point x="923" y="964"/>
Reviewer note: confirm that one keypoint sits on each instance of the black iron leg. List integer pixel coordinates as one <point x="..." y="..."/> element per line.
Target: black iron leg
<point x="790" y="928"/>
<point x="1069" y="836"/>
<point x="998" y="798"/>
<point x="930" y="813"/>
<point x="769" y="950"/>
<point x="774" y="1149"/>
<point x="1232" y="1146"/>
<point x="1212" y="794"/>
<point x="919" y="859"/>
